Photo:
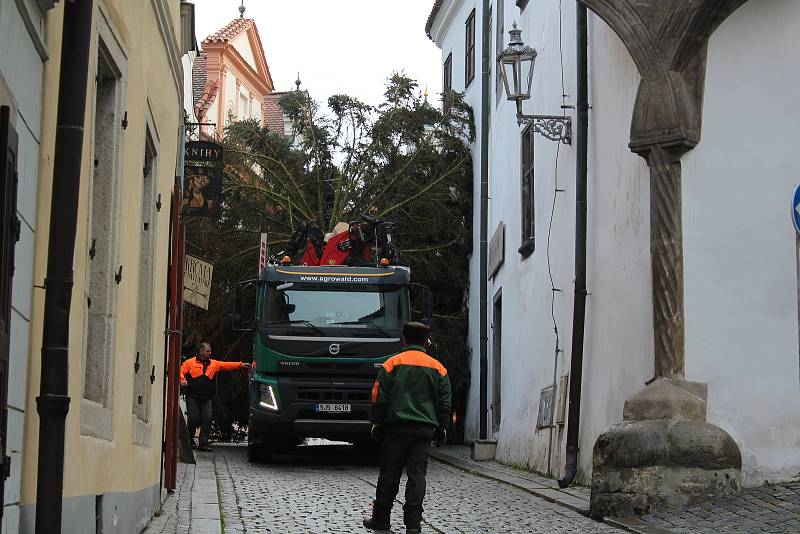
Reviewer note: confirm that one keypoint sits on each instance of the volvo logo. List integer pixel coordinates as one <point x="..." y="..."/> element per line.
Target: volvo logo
<point x="334" y="348"/>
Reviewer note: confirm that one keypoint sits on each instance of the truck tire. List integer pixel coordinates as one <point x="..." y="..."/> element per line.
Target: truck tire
<point x="259" y="452"/>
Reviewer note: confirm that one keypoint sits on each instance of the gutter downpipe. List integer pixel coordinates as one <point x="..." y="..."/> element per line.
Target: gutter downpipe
<point x="579" y="305"/>
<point x="52" y="404"/>
<point x="485" y="79"/>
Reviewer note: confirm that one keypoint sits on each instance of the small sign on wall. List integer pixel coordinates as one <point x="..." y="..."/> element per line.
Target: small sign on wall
<point x="197" y="281"/>
<point x="496" y="250"/>
<point x="546" y="400"/>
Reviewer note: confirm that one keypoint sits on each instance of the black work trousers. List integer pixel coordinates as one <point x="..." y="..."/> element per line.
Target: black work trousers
<point x="199" y="412"/>
<point x="406" y="446"/>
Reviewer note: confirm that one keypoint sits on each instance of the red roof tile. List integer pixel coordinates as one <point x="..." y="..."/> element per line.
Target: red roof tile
<point x="230" y="31"/>
<point x="199" y="77"/>
<point x="273" y="113"/>
<point x="206" y="99"/>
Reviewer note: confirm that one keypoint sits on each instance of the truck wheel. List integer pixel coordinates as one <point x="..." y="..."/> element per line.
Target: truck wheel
<point x="259" y="452"/>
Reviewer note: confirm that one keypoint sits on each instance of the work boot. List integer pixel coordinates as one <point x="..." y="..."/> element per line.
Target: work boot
<point x="204" y="447"/>
<point x="380" y="518"/>
<point x="412" y="517"/>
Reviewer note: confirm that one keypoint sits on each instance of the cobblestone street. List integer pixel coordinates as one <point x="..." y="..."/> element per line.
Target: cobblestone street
<point x="329" y="489"/>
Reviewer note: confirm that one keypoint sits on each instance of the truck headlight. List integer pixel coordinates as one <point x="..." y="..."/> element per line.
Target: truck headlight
<point x="268" y="399"/>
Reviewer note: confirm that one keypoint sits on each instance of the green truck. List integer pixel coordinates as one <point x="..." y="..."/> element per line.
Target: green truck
<point x="321" y="333"/>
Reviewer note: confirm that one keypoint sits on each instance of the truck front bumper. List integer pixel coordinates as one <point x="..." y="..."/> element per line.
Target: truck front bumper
<point x="292" y="409"/>
<point x="301" y="421"/>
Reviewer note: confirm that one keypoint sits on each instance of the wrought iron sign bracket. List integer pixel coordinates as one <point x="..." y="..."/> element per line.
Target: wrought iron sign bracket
<point x="553" y="127"/>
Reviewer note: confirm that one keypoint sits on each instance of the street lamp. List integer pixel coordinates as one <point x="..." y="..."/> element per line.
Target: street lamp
<point x="515" y="65"/>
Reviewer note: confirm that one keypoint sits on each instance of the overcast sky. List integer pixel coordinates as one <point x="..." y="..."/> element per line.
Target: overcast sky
<point x="338" y="46"/>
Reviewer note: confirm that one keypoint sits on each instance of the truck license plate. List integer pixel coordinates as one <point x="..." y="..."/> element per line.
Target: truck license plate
<point x="333" y="408"/>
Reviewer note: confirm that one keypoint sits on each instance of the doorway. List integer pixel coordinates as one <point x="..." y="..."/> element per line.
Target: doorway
<point x="497" y="329"/>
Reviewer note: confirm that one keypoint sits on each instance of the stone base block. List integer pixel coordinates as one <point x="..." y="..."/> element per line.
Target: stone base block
<point x="641" y="467"/>
<point x="484" y="449"/>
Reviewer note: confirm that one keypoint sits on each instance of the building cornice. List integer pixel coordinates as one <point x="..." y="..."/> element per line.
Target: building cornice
<point x="166" y="28"/>
<point x="443" y="19"/>
<point x="437" y="5"/>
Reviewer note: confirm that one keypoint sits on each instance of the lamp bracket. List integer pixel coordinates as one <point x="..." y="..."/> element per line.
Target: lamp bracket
<point x="553" y="127"/>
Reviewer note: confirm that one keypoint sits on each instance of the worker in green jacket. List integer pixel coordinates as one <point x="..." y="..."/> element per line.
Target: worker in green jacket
<point x="410" y="407"/>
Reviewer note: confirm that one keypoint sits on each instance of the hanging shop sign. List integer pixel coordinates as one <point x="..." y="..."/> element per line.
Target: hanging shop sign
<point x="202" y="186"/>
<point x="197" y="281"/>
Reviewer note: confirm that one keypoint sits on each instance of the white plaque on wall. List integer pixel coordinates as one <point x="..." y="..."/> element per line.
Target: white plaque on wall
<point x="496" y="250"/>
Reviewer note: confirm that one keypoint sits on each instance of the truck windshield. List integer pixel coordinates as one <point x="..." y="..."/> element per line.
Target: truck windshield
<point x="374" y="310"/>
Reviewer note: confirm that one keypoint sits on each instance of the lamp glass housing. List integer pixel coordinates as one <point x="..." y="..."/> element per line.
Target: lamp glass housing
<point x="516" y="64"/>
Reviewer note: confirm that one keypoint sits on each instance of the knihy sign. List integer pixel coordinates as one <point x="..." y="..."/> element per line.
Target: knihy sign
<point x="197" y="281"/>
<point x="203" y="178"/>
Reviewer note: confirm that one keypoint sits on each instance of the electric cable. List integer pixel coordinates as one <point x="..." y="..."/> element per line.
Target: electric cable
<point x="553" y="289"/>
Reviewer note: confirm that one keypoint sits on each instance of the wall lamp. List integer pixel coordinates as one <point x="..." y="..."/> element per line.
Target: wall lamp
<point x="515" y="65"/>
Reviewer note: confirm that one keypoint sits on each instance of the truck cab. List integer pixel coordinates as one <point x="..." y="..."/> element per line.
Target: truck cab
<point x="322" y="332"/>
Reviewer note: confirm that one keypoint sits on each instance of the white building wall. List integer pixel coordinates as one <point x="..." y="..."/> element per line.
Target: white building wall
<point x="618" y="343"/>
<point x="741" y="256"/>
<point x="618" y="266"/>
<point x="740" y="247"/>
<point x="242" y="45"/>
<point x="528" y="337"/>
<point x="21" y="69"/>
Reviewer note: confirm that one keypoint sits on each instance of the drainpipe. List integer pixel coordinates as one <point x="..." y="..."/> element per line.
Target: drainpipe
<point x="52" y="404"/>
<point x="485" y="79"/>
<point x="579" y="305"/>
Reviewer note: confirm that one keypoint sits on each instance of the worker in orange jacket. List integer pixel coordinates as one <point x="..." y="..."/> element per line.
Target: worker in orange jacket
<point x="197" y="379"/>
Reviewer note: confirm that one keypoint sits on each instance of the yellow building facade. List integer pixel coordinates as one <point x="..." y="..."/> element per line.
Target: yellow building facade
<point x="117" y="356"/>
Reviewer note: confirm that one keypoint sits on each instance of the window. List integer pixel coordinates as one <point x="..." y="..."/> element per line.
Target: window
<point x="469" y="50"/>
<point x="447" y="83"/>
<point x="499" y="37"/>
<point x="9" y="235"/>
<point x="103" y="241"/>
<point x="528" y="233"/>
<point x="144" y="307"/>
<point x="368" y="310"/>
<point x="242" y="106"/>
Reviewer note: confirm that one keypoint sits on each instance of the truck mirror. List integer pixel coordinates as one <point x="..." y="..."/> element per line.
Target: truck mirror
<point x="243" y="315"/>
